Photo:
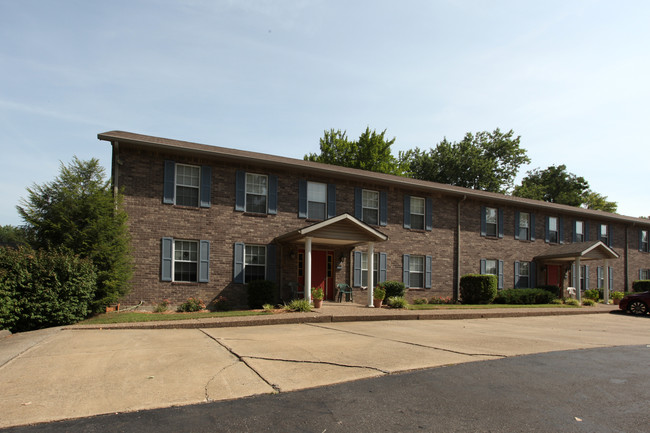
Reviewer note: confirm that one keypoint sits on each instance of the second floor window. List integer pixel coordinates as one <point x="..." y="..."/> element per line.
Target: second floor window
<point x="553" y="229"/>
<point x="316" y="200"/>
<point x="524" y="226"/>
<point x="370" y="207"/>
<point x="604" y="233"/>
<point x="643" y="241"/>
<point x="187" y="185"/>
<point x="256" y="193"/>
<point x="491" y="221"/>
<point x="580" y="231"/>
<point x="417" y="213"/>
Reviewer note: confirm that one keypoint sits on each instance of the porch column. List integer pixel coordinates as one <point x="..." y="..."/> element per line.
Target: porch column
<point x="307" y="287"/>
<point x="371" y="268"/>
<point x="606" y="285"/>
<point x="578" y="272"/>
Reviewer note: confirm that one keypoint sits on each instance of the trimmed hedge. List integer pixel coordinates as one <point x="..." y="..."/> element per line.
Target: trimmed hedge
<point x="39" y="289"/>
<point x="478" y="289"/>
<point x="551" y="288"/>
<point x="393" y="288"/>
<point x="641" y="286"/>
<point x="524" y="296"/>
<point x="260" y="292"/>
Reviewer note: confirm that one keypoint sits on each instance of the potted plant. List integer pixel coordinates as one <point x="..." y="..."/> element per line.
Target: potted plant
<point x="317" y="295"/>
<point x="616" y="297"/>
<point x="378" y="296"/>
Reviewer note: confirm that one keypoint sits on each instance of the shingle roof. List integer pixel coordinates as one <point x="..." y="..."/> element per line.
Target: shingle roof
<point x="595" y="250"/>
<point x="178" y="146"/>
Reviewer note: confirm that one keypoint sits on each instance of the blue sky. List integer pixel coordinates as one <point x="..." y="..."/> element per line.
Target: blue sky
<point x="571" y="77"/>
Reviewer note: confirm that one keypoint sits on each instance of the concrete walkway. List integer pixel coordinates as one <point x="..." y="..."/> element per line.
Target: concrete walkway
<point x="75" y="372"/>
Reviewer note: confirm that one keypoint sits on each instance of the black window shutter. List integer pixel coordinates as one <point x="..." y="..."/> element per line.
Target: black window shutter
<point x="240" y="191"/>
<point x="429" y="214"/>
<point x="206" y="185"/>
<point x="302" y="198"/>
<point x="331" y="200"/>
<point x="166" y="265"/>
<point x="238" y="267"/>
<point x="383" y="208"/>
<point x="169" y="184"/>
<point x="273" y="195"/>
<point x="204" y="261"/>
<point x="407" y="211"/>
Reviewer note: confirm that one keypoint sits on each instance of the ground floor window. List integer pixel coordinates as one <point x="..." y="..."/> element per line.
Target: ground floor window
<point x="523" y="274"/>
<point x="416" y="271"/>
<point x="644" y="274"/>
<point x="493" y="267"/>
<point x="186" y="260"/>
<point x="254" y="263"/>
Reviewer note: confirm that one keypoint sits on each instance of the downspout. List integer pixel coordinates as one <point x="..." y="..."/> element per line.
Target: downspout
<point x="457" y="282"/>
<point x="626" y="258"/>
<point x="115" y="167"/>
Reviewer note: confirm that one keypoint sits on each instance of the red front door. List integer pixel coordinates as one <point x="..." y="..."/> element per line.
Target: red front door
<point x="321" y="272"/>
<point x="553" y="275"/>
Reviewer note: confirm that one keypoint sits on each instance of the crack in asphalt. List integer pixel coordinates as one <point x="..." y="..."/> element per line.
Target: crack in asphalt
<point x="405" y="342"/>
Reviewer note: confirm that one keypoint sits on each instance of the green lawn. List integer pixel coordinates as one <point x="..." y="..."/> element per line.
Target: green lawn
<point x="475" y="307"/>
<point x="130" y="317"/>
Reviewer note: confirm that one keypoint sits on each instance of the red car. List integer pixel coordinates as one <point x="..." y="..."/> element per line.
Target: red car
<point x="636" y="303"/>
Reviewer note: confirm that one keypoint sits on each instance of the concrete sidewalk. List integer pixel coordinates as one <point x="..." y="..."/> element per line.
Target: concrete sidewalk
<point x="62" y="373"/>
<point x="354" y="312"/>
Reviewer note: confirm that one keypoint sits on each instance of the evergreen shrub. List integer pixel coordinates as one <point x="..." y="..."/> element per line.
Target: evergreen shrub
<point x="260" y="292"/>
<point x="478" y="289"/>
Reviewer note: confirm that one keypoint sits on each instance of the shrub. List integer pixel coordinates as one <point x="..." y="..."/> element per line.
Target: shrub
<point x="617" y="295"/>
<point x="317" y="294"/>
<point x="524" y="296"/>
<point x="478" y="289"/>
<point x="191" y="305"/>
<point x="556" y="301"/>
<point x="162" y="307"/>
<point x="397" y="302"/>
<point x="378" y="293"/>
<point x="436" y="300"/>
<point x="588" y="302"/>
<point x="592" y="294"/>
<point x="572" y="301"/>
<point x="299" y="305"/>
<point x="551" y="288"/>
<point x="39" y="289"/>
<point x="641" y="286"/>
<point x="260" y="292"/>
<point x="267" y="307"/>
<point x="419" y="301"/>
<point x="220" y="303"/>
<point x="393" y="288"/>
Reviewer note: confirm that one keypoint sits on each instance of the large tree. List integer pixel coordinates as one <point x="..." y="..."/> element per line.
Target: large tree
<point x="12" y="236"/>
<point x="556" y="185"/>
<point x="370" y="152"/>
<point x="77" y="212"/>
<point x="487" y="161"/>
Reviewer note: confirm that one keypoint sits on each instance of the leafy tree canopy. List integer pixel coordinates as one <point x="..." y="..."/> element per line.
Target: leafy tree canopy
<point x="555" y="185"/>
<point x="78" y="213"/>
<point x="487" y="161"/>
<point x="13" y="236"/>
<point x="370" y="152"/>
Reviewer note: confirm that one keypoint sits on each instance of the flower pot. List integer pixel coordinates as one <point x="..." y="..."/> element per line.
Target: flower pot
<point x="377" y="302"/>
<point x="318" y="303"/>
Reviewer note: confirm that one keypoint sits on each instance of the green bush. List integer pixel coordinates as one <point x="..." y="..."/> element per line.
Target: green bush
<point x="260" y="292"/>
<point x="524" y="296"/>
<point x="419" y="301"/>
<point x="299" y="305"/>
<point x="162" y="307"/>
<point x="592" y="294"/>
<point x="571" y="301"/>
<point x="393" y="288"/>
<point x="641" y="286"/>
<point x="588" y="302"/>
<point x="397" y="302"/>
<point x="551" y="288"/>
<point x="191" y="305"/>
<point x="220" y="303"/>
<point x="617" y="295"/>
<point x="39" y="289"/>
<point x="478" y="289"/>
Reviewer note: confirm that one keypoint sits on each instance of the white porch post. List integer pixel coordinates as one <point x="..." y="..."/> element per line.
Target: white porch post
<point x="307" y="287"/>
<point x="371" y="268"/>
<point x="606" y="285"/>
<point x="578" y="272"/>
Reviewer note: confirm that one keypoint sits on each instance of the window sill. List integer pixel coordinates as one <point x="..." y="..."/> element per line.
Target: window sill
<point x="193" y="208"/>
<point x="186" y="283"/>
<point x="256" y="215"/>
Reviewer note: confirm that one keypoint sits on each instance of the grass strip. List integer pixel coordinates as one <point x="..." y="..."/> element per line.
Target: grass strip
<point x="481" y="307"/>
<point x="131" y="317"/>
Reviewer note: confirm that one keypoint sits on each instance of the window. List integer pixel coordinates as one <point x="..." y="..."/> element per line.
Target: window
<point x="600" y="277"/>
<point x="256" y="193"/>
<point x="584" y="277"/>
<point x="185" y="260"/>
<point x="644" y="274"/>
<point x="524" y="226"/>
<point x="417" y="213"/>
<point x="643" y="241"/>
<point x="523" y="275"/>
<point x="364" y="269"/>
<point x="370" y="207"/>
<point x="254" y="263"/>
<point x="553" y="236"/>
<point x="493" y="267"/>
<point x="316" y="200"/>
<point x="187" y="185"/>
<point x="580" y="231"/>
<point x="491" y="221"/>
<point x="416" y="271"/>
<point x="604" y="234"/>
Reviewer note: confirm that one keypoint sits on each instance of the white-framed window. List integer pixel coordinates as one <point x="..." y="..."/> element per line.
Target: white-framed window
<point x="186" y="261"/>
<point x="524" y="275"/>
<point x="364" y="269"/>
<point x="370" y="207"/>
<point x="524" y="226"/>
<point x="416" y="271"/>
<point x="600" y="277"/>
<point x="643" y="241"/>
<point x="417" y="213"/>
<point x="187" y="184"/>
<point x="580" y="231"/>
<point x="584" y="277"/>
<point x="491" y="267"/>
<point x="491" y="221"/>
<point x="644" y="274"/>
<point x="604" y="233"/>
<point x="256" y="193"/>
<point x="553" y="230"/>
<point x="254" y="263"/>
<point x="316" y="200"/>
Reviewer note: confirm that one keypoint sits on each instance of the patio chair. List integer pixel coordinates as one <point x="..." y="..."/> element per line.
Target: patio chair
<point x="297" y="291"/>
<point x="343" y="289"/>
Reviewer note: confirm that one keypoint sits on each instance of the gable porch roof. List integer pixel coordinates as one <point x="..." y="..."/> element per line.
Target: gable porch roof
<point x="342" y="230"/>
<point x="595" y="250"/>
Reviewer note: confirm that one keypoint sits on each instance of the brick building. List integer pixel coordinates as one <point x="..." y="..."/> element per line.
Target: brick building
<point x="205" y="220"/>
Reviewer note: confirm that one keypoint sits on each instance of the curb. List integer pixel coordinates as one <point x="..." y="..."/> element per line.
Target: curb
<point x="329" y="318"/>
<point x="5" y="333"/>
